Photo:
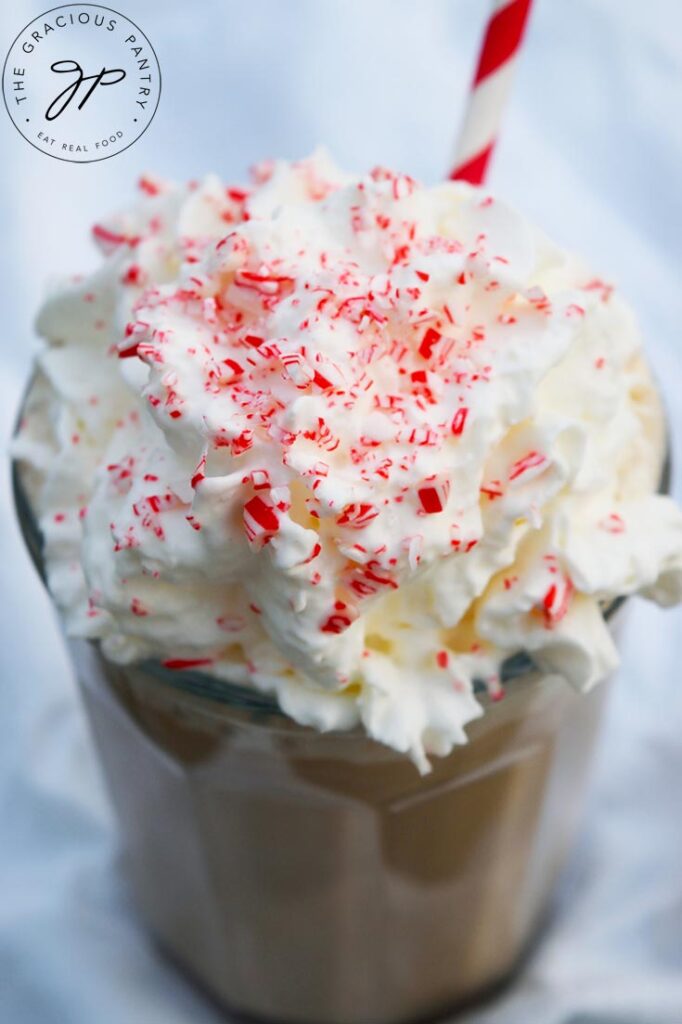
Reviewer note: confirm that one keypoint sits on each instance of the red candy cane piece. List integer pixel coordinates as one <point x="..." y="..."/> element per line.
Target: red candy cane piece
<point x="556" y="601"/>
<point x="235" y="367"/>
<point x="430" y="339"/>
<point x="129" y="351"/>
<point x="339" y="620"/>
<point x="147" y="185"/>
<point x="459" y="421"/>
<point x="260" y="479"/>
<point x="613" y="523"/>
<point x="199" y="474"/>
<point x="533" y="460"/>
<point x="317" y="548"/>
<point x="297" y="370"/>
<point x="433" y="497"/>
<point x="261" y="522"/>
<point x="136" y="329"/>
<point x="238" y="445"/>
<point x="109" y="239"/>
<point x="357" y="515"/>
<point x="265" y="284"/>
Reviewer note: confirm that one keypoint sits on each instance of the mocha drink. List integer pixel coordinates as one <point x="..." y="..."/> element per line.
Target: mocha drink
<point x="351" y="445"/>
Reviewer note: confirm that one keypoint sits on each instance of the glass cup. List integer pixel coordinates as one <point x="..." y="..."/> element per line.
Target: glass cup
<point x="307" y="877"/>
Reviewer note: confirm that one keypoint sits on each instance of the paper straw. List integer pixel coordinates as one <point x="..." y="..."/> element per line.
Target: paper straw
<point x="490" y="89"/>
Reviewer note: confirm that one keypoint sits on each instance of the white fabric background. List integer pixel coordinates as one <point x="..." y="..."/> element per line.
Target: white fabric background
<point x="592" y="149"/>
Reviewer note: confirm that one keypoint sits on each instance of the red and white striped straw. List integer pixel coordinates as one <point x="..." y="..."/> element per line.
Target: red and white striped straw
<point x="490" y="89"/>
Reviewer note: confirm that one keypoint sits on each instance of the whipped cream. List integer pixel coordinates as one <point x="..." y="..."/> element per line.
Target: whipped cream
<point x="351" y="441"/>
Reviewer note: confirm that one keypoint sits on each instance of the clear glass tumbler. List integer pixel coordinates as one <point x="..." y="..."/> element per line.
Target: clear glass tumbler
<point x="306" y="877"/>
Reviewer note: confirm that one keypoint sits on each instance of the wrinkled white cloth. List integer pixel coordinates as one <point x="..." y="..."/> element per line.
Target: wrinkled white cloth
<point x="591" y="151"/>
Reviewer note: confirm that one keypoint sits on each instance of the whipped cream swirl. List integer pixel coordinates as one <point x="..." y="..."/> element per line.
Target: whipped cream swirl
<point x="351" y="441"/>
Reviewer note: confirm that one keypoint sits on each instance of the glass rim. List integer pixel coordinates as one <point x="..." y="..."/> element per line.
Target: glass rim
<point x="238" y="695"/>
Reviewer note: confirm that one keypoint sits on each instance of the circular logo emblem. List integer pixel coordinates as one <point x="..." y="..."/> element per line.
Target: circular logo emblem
<point x="81" y="82"/>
